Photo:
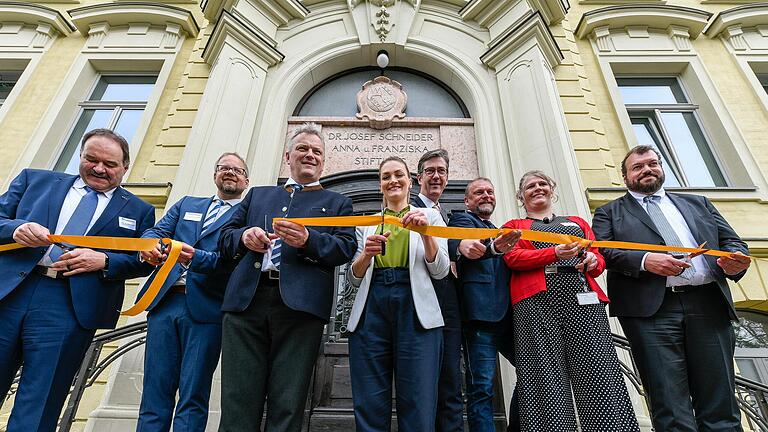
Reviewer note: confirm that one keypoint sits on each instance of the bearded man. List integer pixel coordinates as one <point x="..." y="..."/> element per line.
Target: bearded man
<point x="675" y="309"/>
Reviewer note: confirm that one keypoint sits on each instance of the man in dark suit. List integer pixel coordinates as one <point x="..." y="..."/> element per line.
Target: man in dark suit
<point x="433" y="178"/>
<point x="184" y="320"/>
<point x="675" y="311"/>
<point x="482" y="281"/>
<point x="279" y="296"/>
<point x="52" y="300"/>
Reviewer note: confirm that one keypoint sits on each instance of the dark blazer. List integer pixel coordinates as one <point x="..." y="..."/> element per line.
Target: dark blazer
<point x="416" y="201"/>
<point x="306" y="274"/>
<point x="207" y="276"/>
<point x="636" y="293"/>
<point x="37" y="196"/>
<point x="483" y="283"/>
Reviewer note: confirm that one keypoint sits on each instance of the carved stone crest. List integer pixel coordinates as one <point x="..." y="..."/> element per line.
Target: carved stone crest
<point x="381" y="101"/>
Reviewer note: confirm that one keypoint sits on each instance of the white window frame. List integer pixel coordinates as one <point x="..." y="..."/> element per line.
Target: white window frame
<point x="677" y="165"/>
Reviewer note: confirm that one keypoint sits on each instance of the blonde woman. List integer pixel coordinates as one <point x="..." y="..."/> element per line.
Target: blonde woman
<point x="395" y="320"/>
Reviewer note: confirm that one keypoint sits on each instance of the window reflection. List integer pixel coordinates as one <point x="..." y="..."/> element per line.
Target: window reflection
<point x="117" y="103"/>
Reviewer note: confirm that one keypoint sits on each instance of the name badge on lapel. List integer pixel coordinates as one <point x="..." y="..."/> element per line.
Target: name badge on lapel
<point x="191" y="216"/>
<point x="126" y="223"/>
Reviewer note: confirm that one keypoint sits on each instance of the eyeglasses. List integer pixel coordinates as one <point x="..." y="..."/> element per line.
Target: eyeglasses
<point x="442" y="172"/>
<point x="236" y="170"/>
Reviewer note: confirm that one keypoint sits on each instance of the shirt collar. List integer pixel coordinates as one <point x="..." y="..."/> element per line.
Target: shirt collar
<point x="80" y="184"/>
<point x="292" y="182"/>
<point x="427" y="202"/>
<point x="232" y="202"/>
<point x="661" y="193"/>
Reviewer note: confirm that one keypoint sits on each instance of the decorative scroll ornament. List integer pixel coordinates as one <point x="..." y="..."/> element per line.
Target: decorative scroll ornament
<point x="381" y="101"/>
<point x="381" y="19"/>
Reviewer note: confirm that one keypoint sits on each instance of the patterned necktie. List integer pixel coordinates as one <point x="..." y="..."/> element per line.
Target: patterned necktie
<point x="665" y="229"/>
<point x="276" y="249"/>
<point x="213" y="214"/>
<point x="80" y="219"/>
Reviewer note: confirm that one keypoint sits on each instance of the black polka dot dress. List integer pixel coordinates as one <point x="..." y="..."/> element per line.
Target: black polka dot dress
<point x="561" y="345"/>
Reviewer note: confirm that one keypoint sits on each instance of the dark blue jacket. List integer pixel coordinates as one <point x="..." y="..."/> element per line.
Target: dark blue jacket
<point x="306" y="274"/>
<point x="207" y="276"/>
<point x="37" y="196"/>
<point x="483" y="283"/>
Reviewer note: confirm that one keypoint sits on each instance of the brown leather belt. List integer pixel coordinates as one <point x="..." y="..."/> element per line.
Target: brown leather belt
<point x="50" y="273"/>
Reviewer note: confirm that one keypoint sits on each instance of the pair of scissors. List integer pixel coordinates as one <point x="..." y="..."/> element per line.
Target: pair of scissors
<point x="381" y="229"/>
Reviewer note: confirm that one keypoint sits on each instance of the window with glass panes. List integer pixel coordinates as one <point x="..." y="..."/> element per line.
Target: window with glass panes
<point x="663" y="117"/>
<point x="8" y="80"/>
<point x="117" y="102"/>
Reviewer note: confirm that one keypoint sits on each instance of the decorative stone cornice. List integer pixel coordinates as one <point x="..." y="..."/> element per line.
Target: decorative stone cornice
<point x="280" y="12"/>
<point x="487" y="12"/>
<point x="653" y="16"/>
<point x="229" y="25"/>
<point x="532" y="25"/>
<point x="125" y="13"/>
<point x="35" y="15"/>
<point x="728" y="21"/>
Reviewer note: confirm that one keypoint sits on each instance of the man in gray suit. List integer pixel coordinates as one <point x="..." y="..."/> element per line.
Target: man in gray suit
<point x="675" y="310"/>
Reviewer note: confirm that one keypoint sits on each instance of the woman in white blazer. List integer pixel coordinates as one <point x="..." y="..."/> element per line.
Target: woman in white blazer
<point x="395" y="320"/>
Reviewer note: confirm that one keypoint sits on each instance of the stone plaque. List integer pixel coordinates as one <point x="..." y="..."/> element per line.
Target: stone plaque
<point x="353" y="147"/>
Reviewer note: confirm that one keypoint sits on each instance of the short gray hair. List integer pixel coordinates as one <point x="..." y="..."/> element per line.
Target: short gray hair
<point x="475" y="180"/>
<point x="310" y="128"/>
<point x="225" y="154"/>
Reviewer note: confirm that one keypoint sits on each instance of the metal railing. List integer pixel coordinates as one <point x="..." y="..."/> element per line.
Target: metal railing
<point x="752" y="396"/>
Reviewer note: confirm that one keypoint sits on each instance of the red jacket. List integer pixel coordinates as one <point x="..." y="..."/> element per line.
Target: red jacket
<point x="527" y="263"/>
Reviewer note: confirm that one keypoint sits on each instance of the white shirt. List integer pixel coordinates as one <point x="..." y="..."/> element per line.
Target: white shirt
<point x="427" y="202"/>
<point x="266" y="261"/>
<point x="703" y="274"/>
<point x="228" y="204"/>
<point x="74" y="195"/>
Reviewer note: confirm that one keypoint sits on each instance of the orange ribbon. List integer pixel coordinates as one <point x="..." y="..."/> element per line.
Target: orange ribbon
<point x="123" y="244"/>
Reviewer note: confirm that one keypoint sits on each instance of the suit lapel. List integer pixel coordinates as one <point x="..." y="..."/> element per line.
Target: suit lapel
<point x="119" y="199"/>
<point x="413" y="243"/>
<point x="59" y="191"/>
<point x="689" y="214"/>
<point x="635" y="209"/>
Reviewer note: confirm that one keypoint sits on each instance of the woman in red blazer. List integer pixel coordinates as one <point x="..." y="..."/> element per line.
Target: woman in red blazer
<point x="561" y="330"/>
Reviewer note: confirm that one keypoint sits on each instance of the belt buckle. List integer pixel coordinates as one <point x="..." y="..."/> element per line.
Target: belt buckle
<point x="274" y="275"/>
<point x="677" y="289"/>
<point x="49" y="273"/>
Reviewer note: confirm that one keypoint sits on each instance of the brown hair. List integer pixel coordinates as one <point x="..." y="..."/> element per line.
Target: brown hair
<point x="638" y="150"/>
<point x="112" y="135"/>
<point x="441" y="153"/>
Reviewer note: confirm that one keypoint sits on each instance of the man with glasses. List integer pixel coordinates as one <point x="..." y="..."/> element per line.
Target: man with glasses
<point x="433" y="178"/>
<point x="280" y="294"/>
<point x="184" y="321"/>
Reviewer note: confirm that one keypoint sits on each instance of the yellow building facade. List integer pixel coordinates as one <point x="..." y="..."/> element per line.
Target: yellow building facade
<point x="541" y="84"/>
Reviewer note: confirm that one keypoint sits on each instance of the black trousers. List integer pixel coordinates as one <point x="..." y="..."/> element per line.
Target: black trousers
<point x="450" y="402"/>
<point x="684" y="354"/>
<point x="268" y="354"/>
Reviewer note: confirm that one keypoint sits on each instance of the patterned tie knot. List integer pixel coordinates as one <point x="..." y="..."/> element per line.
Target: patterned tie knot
<point x="297" y="187"/>
<point x="651" y="198"/>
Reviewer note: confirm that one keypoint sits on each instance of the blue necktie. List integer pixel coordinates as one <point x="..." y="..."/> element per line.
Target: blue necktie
<point x="275" y="258"/>
<point x="80" y="219"/>
<point x="212" y="215"/>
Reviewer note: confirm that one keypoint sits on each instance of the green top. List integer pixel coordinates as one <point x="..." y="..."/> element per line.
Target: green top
<point x="397" y="244"/>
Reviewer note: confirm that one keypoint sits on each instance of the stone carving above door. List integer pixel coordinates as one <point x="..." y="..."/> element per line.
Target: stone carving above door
<point x="380" y="102"/>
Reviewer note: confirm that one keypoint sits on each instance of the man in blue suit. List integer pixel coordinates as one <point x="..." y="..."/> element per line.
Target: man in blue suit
<point x="280" y="294"/>
<point x="184" y="321"/>
<point x="483" y="290"/>
<point x="52" y="300"/>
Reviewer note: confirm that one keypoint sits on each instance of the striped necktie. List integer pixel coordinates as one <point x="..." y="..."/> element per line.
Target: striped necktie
<point x="665" y="229"/>
<point x="80" y="219"/>
<point x="277" y="248"/>
<point x="213" y="213"/>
